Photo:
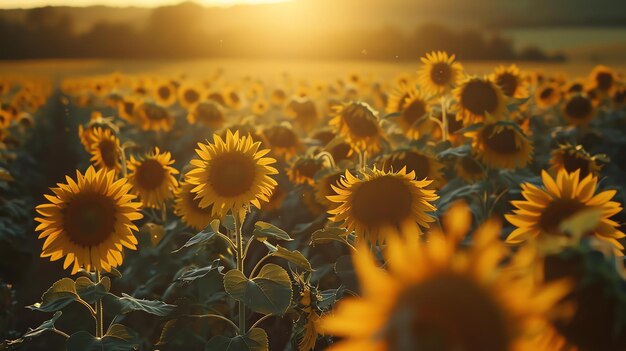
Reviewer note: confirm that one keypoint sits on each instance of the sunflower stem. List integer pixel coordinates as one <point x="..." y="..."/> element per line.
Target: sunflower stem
<point x="242" y="307"/>
<point x="444" y="119"/>
<point x="99" y="311"/>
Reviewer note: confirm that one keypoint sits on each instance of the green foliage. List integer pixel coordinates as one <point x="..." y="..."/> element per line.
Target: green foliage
<point x="254" y="340"/>
<point x="267" y="293"/>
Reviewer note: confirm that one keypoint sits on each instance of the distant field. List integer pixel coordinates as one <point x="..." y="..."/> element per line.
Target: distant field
<point x="262" y="68"/>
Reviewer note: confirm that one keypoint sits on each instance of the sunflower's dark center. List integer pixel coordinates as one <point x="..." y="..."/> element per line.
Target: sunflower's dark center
<point x="308" y="168"/>
<point x="234" y="98"/>
<point x="447" y="312"/>
<point x="340" y="152"/>
<point x="89" y="218"/>
<point x="441" y="73"/>
<point x="155" y="112"/>
<point x="191" y="96"/>
<point x="385" y="200"/>
<point x="471" y="166"/>
<point x="282" y="137"/>
<point x="546" y="93"/>
<point x="556" y="212"/>
<point x="164" y="92"/>
<point x="413" y="161"/>
<point x="415" y="110"/>
<point x="141" y="91"/>
<point x="572" y="162"/>
<point x="217" y="97"/>
<point x="604" y="80"/>
<point x="108" y="150"/>
<point x="232" y="174"/>
<point x="479" y="97"/>
<point x="502" y="140"/>
<point x="129" y="107"/>
<point x="150" y="174"/>
<point x="508" y="82"/>
<point x="575" y="88"/>
<point x="360" y="120"/>
<point x="208" y="112"/>
<point x="578" y="107"/>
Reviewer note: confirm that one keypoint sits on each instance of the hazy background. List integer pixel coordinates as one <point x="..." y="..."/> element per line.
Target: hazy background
<point x="537" y="30"/>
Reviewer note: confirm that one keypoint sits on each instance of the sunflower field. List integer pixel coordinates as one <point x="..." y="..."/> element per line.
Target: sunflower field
<point x="433" y="210"/>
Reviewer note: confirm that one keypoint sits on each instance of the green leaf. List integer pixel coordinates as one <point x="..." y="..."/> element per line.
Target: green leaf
<point x="196" y="273"/>
<point x="125" y="304"/>
<point x="255" y="340"/>
<point x="91" y="292"/>
<point x="295" y="257"/>
<point x="45" y="326"/>
<point x="267" y="293"/>
<point x="83" y="341"/>
<point x="205" y="236"/>
<point x="60" y="294"/>
<point x="326" y="235"/>
<point x="264" y="230"/>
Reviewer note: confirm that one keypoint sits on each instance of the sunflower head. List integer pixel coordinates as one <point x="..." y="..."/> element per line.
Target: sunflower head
<point x="164" y="93"/>
<point x="283" y="140"/>
<point x="105" y="150"/>
<point x="502" y="145"/>
<point x="323" y="187"/>
<point x="422" y="164"/>
<point x="574" y="157"/>
<point x="190" y="94"/>
<point x="479" y="99"/>
<point x="579" y="109"/>
<point x="439" y="73"/>
<point x="469" y="169"/>
<point x="303" y="111"/>
<point x="126" y="108"/>
<point x="435" y="295"/>
<point x="231" y="174"/>
<point x="380" y="202"/>
<point x="86" y="133"/>
<point x="278" y="97"/>
<point x="260" y="107"/>
<point x="152" y="177"/>
<point x="304" y="169"/>
<point x="415" y="107"/>
<point x="547" y="95"/>
<point x="542" y="214"/>
<point x="511" y="81"/>
<point x="603" y="79"/>
<point x="150" y="116"/>
<point x="207" y="113"/>
<point x="188" y="208"/>
<point x="88" y="221"/>
<point x="359" y="125"/>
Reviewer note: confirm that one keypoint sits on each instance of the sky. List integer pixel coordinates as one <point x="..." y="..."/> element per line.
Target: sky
<point x="122" y="3"/>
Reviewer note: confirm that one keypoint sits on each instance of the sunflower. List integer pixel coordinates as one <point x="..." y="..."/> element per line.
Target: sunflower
<point x="619" y="98"/>
<point x="303" y="111"/>
<point x="187" y="207"/>
<point x="105" y="150"/>
<point x="423" y="165"/>
<point x="152" y="177"/>
<point x="416" y="106"/>
<point x="232" y="174"/>
<point x="603" y="79"/>
<point x="382" y="201"/>
<point x="437" y="296"/>
<point x="303" y="170"/>
<point x="278" y="97"/>
<point x="542" y="213"/>
<point x="359" y="125"/>
<point x="260" y="107"/>
<point x="126" y="108"/>
<point x="502" y="145"/>
<point x="276" y="199"/>
<point x="397" y="98"/>
<point x="479" y="99"/>
<point x="189" y="94"/>
<point x="283" y="140"/>
<point x="164" y="93"/>
<point x="579" y="109"/>
<point x="88" y="221"/>
<point x="150" y="116"/>
<point x="440" y="73"/>
<point x="572" y="158"/>
<point x="207" y="113"/>
<point x="547" y="95"/>
<point x="511" y="81"/>
<point x="323" y="187"/>
<point x="469" y="169"/>
<point x="232" y="98"/>
<point x="86" y="134"/>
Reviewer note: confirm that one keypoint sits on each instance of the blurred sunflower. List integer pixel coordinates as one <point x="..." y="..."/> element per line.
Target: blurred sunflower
<point x="126" y="108"/>
<point x="397" y="98"/>
<point x="603" y="79"/>
<point x="579" y="110"/>
<point x="303" y="111"/>
<point x="511" y="81"/>
<point x="207" y="113"/>
<point x="232" y="98"/>
<point x="423" y="165"/>
<point x="187" y="207"/>
<point x="359" y="125"/>
<point x="382" y="202"/>
<point x="547" y="95"/>
<point x="323" y="187"/>
<point x="88" y="221"/>
<point x="150" y="116"/>
<point x="278" y="97"/>
<point x="276" y="199"/>
<point x="105" y="150"/>
<point x="283" y="140"/>
<point x="189" y="94"/>
<point x="164" y="93"/>
<point x="479" y="99"/>
<point x="436" y="296"/>
<point x="86" y="134"/>
<point x="502" y="145"/>
<point x="416" y="106"/>
<point x="469" y="169"/>
<point x="574" y="157"/>
<point x="231" y="174"/>
<point x="542" y="213"/>
<point x="260" y="107"/>
<point x="152" y="177"/>
<point x="619" y="98"/>
<point x="304" y="168"/>
<point x="439" y="73"/>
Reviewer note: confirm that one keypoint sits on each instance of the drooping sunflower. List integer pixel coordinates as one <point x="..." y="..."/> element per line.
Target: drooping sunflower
<point x="422" y="164"/>
<point x="511" y="81"/>
<point x="283" y="140"/>
<point x="579" y="109"/>
<point x="187" y="207"/>
<point x="303" y="169"/>
<point x="97" y="120"/>
<point x="150" y="116"/>
<point x="164" y="93"/>
<point x="574" y="157"/>
<point x="105" y="150"/>
<point x="231" y="174"/>
<point x="502" y="145"/>
<point x="152" y="177"/>
<point x="381" y="202"/>
<point x="437" y="296"/>
<point x="88" y="221"/>
<point x="603" y="79"/>
<point x="479" y="98"/>
<point x="469" y="169"/>
<point x="543" y="211"/>
<point x="440" y="73"/>
<point x="359" y="125"/>
<point x="547" y="95"/>
<point x="207" y="113"/>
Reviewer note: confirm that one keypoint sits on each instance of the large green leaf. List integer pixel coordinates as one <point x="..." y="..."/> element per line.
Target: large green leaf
<point x="295" y="257"/>
<point x="125" y="304"/>
<point x="91" y="292"/>
<point x="329" y="234"/>
<point x="60" y="294"/>
<point x="255" y="340"/>
<point x="267" y="293"/>
<point x="196" y="273"/>
<point x="117" y="338"/>
<point x="263" y="231"/>
<point x="31" y="333"/>
<point x="204" y="237"/>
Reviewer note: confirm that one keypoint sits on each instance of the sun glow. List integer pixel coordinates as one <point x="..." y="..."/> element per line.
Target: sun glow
<point x="124" y="3"/>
